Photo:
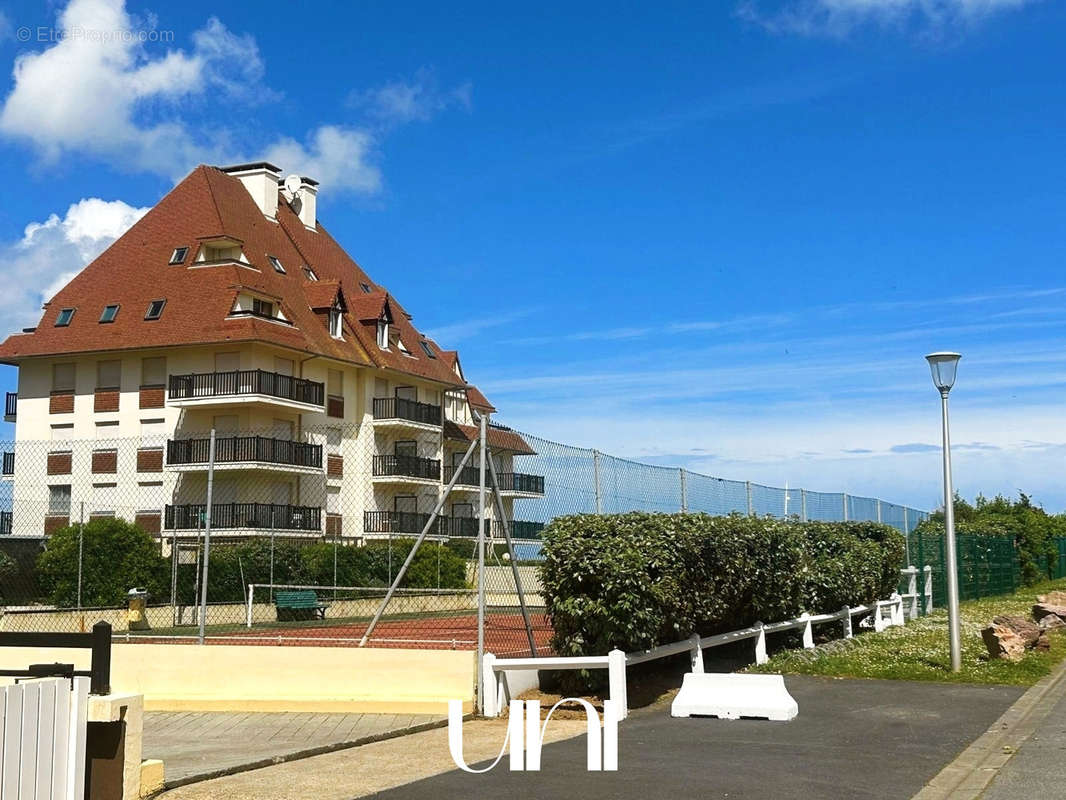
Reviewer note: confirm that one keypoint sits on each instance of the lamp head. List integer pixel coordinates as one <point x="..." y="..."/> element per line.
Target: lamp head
<point x="943" y="366"/>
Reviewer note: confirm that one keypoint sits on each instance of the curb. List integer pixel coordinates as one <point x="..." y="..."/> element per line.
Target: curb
<point x="308" y="753"/>
<point x="973" y="770"/>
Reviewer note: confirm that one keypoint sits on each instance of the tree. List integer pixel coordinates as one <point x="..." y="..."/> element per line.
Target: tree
<point x="116" y="556"/>
<point x="8" y="571"/>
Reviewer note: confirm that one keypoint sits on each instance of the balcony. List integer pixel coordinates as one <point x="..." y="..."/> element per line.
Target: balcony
<point x="517" y="484"/>
<point x="244" y="452"/>
<point x="405" y="522"/>
<point x="526" y="530"/>
<point x="469" y="477"/>
<point x="405" y="469"/>
<point x="10" y="406"/>
<point x="396" y="412"/>
<point x="9" y="465"/>
<point x="245" y="386"/>
<point x="5" y="523"/>
<point x="249" y="517"/>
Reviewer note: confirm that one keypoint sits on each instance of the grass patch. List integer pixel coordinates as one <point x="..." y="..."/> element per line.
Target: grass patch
<point x="919" y="650"/>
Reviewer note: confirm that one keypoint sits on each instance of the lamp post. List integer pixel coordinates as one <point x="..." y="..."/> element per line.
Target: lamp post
<point x="944" y="366"/>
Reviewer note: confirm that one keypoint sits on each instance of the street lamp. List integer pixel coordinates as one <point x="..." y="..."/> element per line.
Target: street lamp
<point x="944" y="366"/>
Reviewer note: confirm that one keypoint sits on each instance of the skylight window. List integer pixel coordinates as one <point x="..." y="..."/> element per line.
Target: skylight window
<point x="155" y="309"/>
<point x="64" y="318"/>
<point x="276" y="264"/>
<point x="110" y="312"/>
<point x="365" y="287"/>
<point x="310" y="273"/>
<point x="427" y="349"/>
<point x="179" y="254"/>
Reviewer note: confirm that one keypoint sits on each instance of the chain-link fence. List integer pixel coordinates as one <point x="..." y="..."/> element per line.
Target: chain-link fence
<point x="303" y="531"/>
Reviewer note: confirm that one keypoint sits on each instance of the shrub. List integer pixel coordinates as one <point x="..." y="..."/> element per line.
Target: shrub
<point x="637" y="580"/>
<point x="9" y="570"/>
<point x="317" y="565"/>
<point x="434" y="565"/>
<point x="116" y="556"/>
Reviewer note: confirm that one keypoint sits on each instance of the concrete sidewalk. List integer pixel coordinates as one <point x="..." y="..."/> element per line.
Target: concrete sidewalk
<point x="194" y="745"/>
<point x="852" y="739"/>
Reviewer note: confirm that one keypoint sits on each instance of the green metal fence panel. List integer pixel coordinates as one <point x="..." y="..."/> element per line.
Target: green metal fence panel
<point x="987" y="565"/>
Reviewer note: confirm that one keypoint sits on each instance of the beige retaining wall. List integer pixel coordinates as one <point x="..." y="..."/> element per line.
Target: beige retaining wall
<point x="271" y="678"/>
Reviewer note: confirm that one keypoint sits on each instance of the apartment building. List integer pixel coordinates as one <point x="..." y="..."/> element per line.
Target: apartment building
<point x="229" y="307"/>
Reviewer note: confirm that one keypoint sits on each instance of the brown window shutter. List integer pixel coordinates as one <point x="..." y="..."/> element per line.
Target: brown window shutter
<point x="152" y="397"/>
<point x="61" y="403"/>
<point x="335" y="406"/>
<point x="54" y="523"/>
<point x="334" y="466"/>
<point x="59" y="463"/>
<point x="148" y="522"/>
<point x="334" y="524"/>
<point x="150" y="459"/>
<point x="105" y="461"/>
<point x="106" y="400"/>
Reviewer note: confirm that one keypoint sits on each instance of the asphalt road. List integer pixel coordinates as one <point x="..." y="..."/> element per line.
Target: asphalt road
<point x="852" y="739"/>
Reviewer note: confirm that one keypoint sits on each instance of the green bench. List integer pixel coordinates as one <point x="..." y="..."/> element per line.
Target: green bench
<point x="299" y="604"/>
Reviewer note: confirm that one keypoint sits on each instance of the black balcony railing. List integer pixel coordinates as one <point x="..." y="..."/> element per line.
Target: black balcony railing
<point x="468" y="476"/>
<point x="9" y="464"/>
<point x="246" y="381"/>
<point x="411" y="410"/>
<point x="407" y="466"/>
<point x="239" y="449"/>
<point x="11" y="404"/>
<point x="526" y="530"/>
<point x="5" y="523"/>
<point x="399" y="522"/>
<point x="519" y="482"/>
<point x="265" y="516"/>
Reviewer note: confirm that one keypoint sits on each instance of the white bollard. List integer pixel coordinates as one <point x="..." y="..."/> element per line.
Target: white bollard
<point x="846" y="611"/>
<point x="696" y="652"/>
<point x="760" y="645"/>
<point x="808" y="631"/>
<point x="928" y="570"/>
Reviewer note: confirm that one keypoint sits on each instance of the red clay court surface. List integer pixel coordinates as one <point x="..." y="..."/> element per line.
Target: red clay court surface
<point x="505" y="634"/>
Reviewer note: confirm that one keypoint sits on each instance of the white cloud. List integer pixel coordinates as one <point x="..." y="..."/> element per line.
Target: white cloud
<point x="339" y="157"/>
<point x="50" y="253"/>
<point x="106" y="96"/>
<point x="418" y="100"/>
<point x="841" y="17"/>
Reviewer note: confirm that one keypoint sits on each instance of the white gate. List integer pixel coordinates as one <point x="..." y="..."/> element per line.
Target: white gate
<point x="42" y="739"/>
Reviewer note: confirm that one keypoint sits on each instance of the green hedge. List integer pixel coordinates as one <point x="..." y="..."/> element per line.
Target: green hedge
<point x="637" y="580"/>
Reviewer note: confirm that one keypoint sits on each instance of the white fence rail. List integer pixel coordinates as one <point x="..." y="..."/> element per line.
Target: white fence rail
<point x="882" y="613"/>
<point x="43" y="727"/>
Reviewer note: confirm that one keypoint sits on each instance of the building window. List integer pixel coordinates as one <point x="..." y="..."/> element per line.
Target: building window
<point x="110" y="312"/>
<point x="108" y="374"/>
<point x="155" y="309"/>
<point x="63" y="377"/>
<point x="310" y="273"/>
<point x="276" y="264"/>
<point x="427" y="349"/>
<point x="64" y="318"/>
<point x="335" y="323"/>
<point x="383" y="334"/>
<point x="262" y="308"/>
<point x="59" y="500"/>
<point x="153" y="371"/>
<point x="402" y="347"/>
<point x="365" y="287"/>
<point x="179" y="254"/>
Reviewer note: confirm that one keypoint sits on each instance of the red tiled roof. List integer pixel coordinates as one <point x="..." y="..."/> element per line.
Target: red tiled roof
<point x="499" y="438"/>
<point x="134" y="271"/>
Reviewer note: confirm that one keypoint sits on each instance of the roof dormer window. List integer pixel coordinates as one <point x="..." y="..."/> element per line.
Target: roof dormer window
<point x="179" y="255"/>
<point x="336" y="328"/>
<point x="110" y="312"/>
<point x="402" y="347"/>
<point x="64" y="318"/>
<point x="310" y="273"/>
<point x="262" y="308"/>
<point x="275" y="262"/>
<point x="383" y="334"/>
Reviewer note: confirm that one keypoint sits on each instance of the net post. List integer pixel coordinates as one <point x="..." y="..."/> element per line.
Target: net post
<point x="207" y="537"/>
<point x="481" y="561"/>
<point x="248" y="620"/>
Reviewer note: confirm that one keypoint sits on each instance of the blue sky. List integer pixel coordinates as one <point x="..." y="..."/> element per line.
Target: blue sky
<point x="719" y="235"/>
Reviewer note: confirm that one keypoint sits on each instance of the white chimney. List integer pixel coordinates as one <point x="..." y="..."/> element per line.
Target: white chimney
<point x="306" y="202"/>
<point x="261" y="181"/>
